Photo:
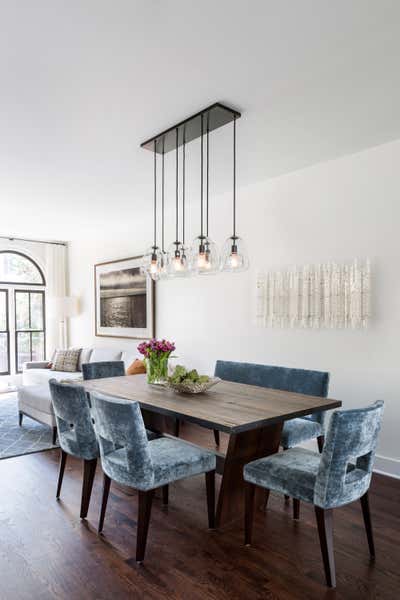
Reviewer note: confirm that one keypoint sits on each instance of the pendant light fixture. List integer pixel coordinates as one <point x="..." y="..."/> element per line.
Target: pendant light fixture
<point x="178" y="264"/>
<point x="234" y="255"/>
<point x="202" y="258"/>
<point x="153" y="259"/>
<point x="164" y="261"/>
<point x="204" y="254"/>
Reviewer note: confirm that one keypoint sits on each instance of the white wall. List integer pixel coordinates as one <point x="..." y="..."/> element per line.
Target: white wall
<point x="337" y="210"/>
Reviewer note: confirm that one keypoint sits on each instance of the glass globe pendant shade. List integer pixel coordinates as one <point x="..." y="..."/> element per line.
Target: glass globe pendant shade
<point x="234" y="256"/>
<point x="204" y="256"/>
<point x="153" y="262"/>
<point x="178" y="260"/>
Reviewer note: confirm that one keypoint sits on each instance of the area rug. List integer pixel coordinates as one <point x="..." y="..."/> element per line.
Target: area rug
<point x="15" y="440"/>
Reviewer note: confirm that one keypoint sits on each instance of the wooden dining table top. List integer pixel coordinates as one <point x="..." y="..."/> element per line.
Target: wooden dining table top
<point x="228" y="406"/>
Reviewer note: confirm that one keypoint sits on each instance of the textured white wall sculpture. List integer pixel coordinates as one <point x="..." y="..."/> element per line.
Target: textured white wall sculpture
<point x="327" y="295"/>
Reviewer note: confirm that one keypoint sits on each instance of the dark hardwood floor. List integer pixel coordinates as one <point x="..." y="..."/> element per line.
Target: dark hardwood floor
<point x="46" y="551"/>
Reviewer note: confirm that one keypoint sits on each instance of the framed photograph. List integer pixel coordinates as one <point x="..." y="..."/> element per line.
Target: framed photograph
<point x="124" y="300"/>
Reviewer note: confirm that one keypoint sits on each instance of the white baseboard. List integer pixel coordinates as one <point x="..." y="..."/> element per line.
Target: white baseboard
<point x="387" y="466"/>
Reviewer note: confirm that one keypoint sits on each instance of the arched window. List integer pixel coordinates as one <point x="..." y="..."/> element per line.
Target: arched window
<point x="17" y="268"/>
<point x="22" y="311"/>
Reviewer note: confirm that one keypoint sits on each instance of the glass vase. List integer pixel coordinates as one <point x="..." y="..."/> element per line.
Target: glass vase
<point x="157" y="369"/>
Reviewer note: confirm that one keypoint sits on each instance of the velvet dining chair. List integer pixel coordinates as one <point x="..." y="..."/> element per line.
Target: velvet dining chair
<point x="129" y="458"/>
<point x="99" y="370"/>
<point x="76" y="435"/>
<point x="109" y="368"/>
<point x="338" y="476"/>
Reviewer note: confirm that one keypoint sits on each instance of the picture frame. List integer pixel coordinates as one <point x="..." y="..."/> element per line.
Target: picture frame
<point x="124" y="300"/>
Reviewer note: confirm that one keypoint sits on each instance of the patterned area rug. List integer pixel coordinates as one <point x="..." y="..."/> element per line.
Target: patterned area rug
<point x="15" y="440"/>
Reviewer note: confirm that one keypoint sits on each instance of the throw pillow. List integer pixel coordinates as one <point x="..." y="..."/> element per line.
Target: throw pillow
<point x="66" y="360"/>
<point x="136" y="368"/>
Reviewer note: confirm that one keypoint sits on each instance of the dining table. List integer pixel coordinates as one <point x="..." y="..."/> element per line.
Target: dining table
<point x="251" y="416"/>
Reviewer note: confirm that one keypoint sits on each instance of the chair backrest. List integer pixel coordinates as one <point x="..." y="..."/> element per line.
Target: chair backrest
<point x="74" y="423"/>
<point x="347" y="459"/>
<point x="301" y="381"/>
<point x="121" y="434"/>
<point x="99" y="370"/>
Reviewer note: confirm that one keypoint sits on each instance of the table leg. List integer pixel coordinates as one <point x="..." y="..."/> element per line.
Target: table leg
<point x="243" y="448"/>
<point x="157" y="422"/>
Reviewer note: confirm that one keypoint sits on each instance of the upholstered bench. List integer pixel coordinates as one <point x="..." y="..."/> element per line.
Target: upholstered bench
<point x="34" y="401"/>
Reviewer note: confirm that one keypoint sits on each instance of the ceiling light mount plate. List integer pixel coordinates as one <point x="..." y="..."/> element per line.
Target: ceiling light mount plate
<point x="214" y="116"/>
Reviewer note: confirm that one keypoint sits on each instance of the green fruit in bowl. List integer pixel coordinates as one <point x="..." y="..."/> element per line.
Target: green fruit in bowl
<point x="182" y="375"/>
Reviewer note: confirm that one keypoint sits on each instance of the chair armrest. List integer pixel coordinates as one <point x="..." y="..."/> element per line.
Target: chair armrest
<point x="37" y="364"/>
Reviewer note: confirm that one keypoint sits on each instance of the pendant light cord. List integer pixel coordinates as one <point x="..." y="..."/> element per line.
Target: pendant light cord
<point x="234" y="176"/>
<point x="162" y="198"/>
<point x="155" y="194"/>
<point x="183" y="184"/>
<point x="201" y="174"/>
<point x="207" y="171"/>
<point x="177" y="192"/>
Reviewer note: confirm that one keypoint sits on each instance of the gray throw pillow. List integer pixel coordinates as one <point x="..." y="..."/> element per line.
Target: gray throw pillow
<point x="66" y="360"/>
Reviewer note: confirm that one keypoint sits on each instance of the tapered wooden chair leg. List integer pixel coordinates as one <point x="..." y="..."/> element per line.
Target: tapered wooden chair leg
<point x="89" y="471"/>
<point x="106" y="490"/>
<point x="296" y="508"/>
<point x="367" y="522"/>
<point x="165" y="494"/>
<point x="216" y="437"/>
<point x="250" y="489"/>
<point x="325" y="529"/>
<point x="266" y="498"/>
<point x="54" y="436"/>
<point x="210" y="488"/>
<point x="63" y="460"/>
<point x="320" y="442"/>
<point x="145" y="502"/>
<point x="20" y="417"/>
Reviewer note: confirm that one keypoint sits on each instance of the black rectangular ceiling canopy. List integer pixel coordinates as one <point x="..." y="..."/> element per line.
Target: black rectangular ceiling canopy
<point x="214" y="116"/>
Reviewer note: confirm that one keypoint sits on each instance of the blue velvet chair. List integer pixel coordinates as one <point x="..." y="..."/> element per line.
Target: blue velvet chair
<point x="76" y="435"/>
<point x="109" y="368"/>
<point x="98" y="370"/>
<point x="129" y="458"/>
<point x="341" y="474"/>
<point x="301" y="381"/>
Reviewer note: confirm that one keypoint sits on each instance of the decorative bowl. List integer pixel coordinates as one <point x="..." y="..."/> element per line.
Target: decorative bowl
<point x="192" y="387"/>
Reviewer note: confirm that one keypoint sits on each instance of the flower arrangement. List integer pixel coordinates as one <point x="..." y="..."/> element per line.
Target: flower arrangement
<point x="156" y="354"/>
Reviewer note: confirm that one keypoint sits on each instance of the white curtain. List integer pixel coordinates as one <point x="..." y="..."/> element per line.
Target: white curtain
<point x="56" y="280"/>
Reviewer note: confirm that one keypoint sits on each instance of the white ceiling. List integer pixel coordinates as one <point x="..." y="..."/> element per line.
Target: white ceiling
<point x="84" y="82"/>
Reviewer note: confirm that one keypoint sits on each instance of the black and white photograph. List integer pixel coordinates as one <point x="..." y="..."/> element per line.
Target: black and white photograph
<point x="124" y="300"/>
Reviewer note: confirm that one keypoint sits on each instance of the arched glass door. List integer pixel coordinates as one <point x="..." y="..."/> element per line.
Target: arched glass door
<point x="22" y="312"/>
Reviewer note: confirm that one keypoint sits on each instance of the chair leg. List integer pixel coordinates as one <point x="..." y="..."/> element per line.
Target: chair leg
<point x="210" y="488"/>
<point x="266" y="498"/>
<point x="320" y="441"/>
<point x="106" y="490"/>
<point x="145" y="502"/>
<point x="216" y="437"/>
<point x="89" y="471"/>
<point x="250" y="489"/>
<point x="177" y="427"/>
<point x="54" y="436"/>
<point x="165" y="495"/>
<point x="20" y="417"/>
<point x="296" y="509"/>
<point x="367" y="522"/>
<point x="325" y="529"/>
<point x="63" y="460"/>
